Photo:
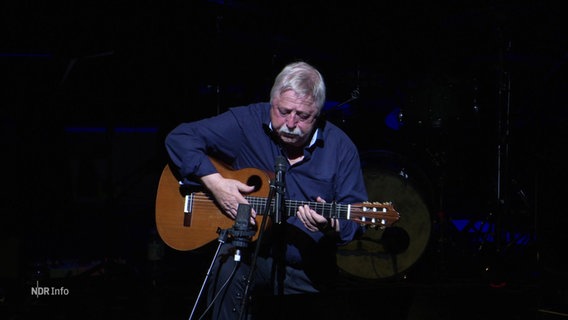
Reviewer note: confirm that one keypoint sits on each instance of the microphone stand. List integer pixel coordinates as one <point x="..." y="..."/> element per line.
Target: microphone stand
<point x="279" y="204"/>
<point x="279" y="246"/>
<point x="241" y="234"/>
<point x="223" y="235"/>
<point x="257" y="248"/>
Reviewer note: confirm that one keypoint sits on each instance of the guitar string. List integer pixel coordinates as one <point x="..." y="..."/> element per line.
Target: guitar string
<point x="326" y="209"/>
<point x="259" y="203"/>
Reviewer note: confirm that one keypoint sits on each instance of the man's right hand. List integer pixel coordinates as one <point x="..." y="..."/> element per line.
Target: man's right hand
<point x="228" y="193"/>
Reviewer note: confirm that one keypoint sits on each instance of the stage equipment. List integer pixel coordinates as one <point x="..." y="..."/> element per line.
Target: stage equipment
<point x="389" y="252"/>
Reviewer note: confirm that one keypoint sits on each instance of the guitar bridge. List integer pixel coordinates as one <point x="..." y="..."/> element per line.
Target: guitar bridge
<point x="187" y="211"/>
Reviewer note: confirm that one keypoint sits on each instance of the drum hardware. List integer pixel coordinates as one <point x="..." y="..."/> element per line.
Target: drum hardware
<point x="390" y="253"/>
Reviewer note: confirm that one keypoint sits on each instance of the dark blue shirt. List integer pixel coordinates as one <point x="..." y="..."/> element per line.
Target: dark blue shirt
<point x="242" y="137"/>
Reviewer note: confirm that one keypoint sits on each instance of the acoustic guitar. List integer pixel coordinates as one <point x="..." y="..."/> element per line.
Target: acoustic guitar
<point x="189" y="219"/>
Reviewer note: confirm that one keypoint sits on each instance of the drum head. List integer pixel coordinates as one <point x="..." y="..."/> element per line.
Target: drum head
<point x="381" y="254"/>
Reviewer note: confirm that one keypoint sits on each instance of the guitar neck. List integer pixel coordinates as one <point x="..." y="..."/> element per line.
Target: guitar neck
<point x="328" y="210"/>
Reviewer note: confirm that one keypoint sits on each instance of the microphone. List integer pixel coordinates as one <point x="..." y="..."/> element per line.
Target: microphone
<point x="280" y="170"/>
<point x="240" y="231"/>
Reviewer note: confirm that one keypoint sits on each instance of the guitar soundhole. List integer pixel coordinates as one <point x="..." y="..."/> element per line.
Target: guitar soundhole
<point x="255" y="181"/>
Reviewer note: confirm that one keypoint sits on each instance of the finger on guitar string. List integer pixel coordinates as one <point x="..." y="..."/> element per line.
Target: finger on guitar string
<point x="307" y="217"/>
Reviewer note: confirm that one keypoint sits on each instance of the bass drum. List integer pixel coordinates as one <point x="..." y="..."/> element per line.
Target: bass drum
<point x="383" y="254"/>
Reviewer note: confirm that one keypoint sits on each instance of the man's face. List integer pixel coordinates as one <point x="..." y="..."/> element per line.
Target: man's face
<point x="293" y="118"/>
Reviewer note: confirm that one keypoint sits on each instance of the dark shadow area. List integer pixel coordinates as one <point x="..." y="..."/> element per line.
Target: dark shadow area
<point x="458" y="111"/>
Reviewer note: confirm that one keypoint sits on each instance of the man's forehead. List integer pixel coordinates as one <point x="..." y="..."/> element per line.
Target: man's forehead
<point x="291" y="100"/>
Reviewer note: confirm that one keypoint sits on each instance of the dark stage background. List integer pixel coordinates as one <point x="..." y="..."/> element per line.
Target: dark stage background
<point x="467" y="101"/>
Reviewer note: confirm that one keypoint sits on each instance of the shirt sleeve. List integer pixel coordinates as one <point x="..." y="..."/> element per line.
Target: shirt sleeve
<point x="190" y="144"/>
<point x="351" y="189"/>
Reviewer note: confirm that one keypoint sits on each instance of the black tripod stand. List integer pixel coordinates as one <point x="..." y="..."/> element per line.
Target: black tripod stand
<point x="503" y="231"/>
<point x="242" y="233"/>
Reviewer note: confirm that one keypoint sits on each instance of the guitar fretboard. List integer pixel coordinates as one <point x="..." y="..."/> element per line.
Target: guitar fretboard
<point x="328" y="210"/>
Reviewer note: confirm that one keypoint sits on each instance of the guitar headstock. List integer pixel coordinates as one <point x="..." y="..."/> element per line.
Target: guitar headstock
<point x="374" y="214"/>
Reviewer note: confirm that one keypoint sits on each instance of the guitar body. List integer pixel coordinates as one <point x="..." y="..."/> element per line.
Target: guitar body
<point x="206" y="217"/>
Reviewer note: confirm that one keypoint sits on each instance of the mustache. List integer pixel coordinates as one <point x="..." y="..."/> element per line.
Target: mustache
<point x="296" y="131"/>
